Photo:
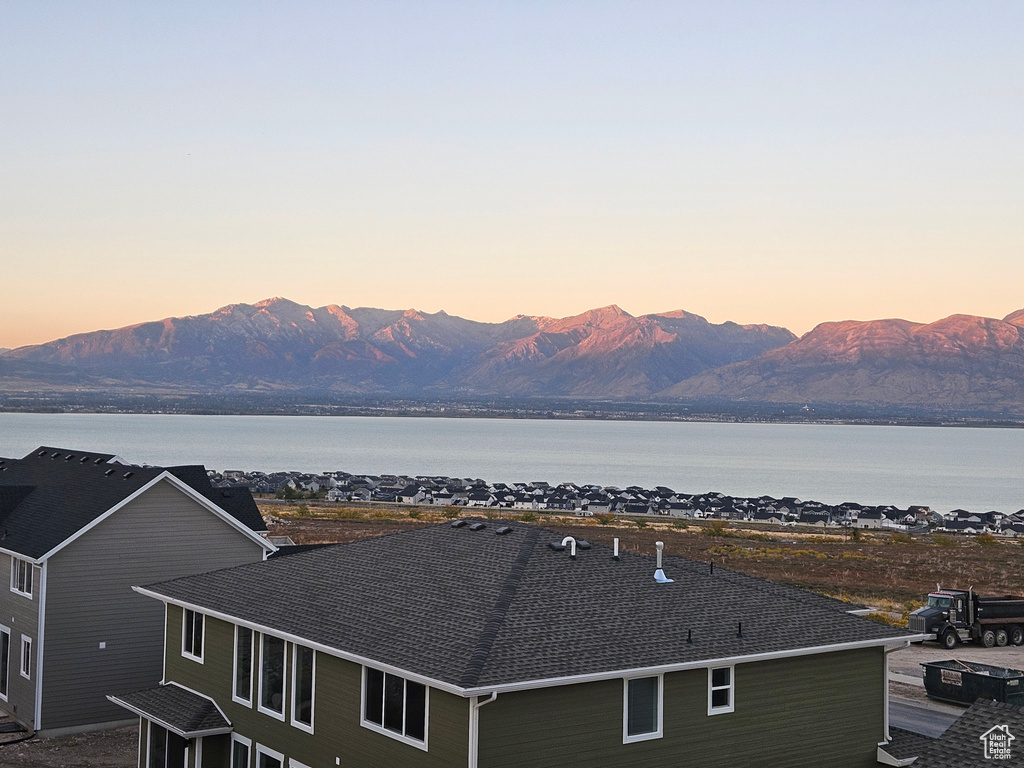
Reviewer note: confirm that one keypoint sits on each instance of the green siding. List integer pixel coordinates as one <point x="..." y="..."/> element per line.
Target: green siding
<point x="337" y="732"/>
<point x="791" y="712"/>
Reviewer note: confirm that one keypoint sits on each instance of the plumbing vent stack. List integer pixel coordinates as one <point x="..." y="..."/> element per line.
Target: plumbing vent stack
<point x="572" y="546"/>
<point x="659" y="575"/>
<point x="615" y="552"/>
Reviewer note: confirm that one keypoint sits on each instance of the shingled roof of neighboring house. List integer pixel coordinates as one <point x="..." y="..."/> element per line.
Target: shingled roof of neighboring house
<point x="52" y="493"/>
<point x="184" y="712"/>
<point x="962" y="746"/>
<point x="472" y="610"/>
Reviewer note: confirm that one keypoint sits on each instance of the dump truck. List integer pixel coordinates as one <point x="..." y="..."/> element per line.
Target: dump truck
<point x="955" y="616"/>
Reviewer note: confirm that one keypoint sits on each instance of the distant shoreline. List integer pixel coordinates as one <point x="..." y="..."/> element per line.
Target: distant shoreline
<point x="741" y="413"/>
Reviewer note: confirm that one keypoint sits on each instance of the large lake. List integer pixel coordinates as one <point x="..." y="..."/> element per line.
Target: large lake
<point x="945" y="468"/>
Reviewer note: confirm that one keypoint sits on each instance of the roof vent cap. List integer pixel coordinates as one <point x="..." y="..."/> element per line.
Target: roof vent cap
<point x="477" y="526"/>
<point x="458" y="523"/>
<point x="108" y="473"/>
<point x="557" y="547"/>
<point x="503" y="530"/>
<point x="659" y="575"/>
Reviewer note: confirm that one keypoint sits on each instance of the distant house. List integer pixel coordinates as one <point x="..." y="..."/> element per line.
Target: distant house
<point x="491" y="647"/>
<point x="78" y="530"/>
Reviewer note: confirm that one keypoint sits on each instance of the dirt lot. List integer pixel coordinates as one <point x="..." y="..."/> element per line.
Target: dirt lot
<point x="103" y="749"/>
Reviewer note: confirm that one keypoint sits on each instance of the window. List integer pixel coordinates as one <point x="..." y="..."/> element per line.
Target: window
<point x="242" y="692"/>
<point x="268" y="758"/>
<point x="21" y="576"/>
<point x="26" y="657"/>
<point x="272" y="676"/>
<point x="303" y="665"/>
<point x="5" y="660"/>
<point x="192" y="632"/>
<point x="641" y="708"/>
<point x="395" y="706"/>
<point x="241" y="747"/>
<point x="720" y="693"/>
<point x="166" y="748"/>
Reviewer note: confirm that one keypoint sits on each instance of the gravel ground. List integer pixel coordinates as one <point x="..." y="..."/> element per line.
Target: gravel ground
<point x="908" y="662"/>
<point x="101" y="749"/>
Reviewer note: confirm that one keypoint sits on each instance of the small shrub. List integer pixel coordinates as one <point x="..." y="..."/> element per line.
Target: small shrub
<point x="986" y="540"/>
<point x="680" y="525"/>
<point x="527" y="517"/>
<point x="303" y="510"/>
<point x="942" y="540"/>
<point x="606" y="518"/>
<point x="449" y="513"/>
<point x="414" y="514"/>
<point x="641" y="524"/>
<point x="717" y="528"/>
<point x="885" y="618"/>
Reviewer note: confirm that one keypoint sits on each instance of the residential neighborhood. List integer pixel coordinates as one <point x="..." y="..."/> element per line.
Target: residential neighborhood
<point x="590" y="500"/>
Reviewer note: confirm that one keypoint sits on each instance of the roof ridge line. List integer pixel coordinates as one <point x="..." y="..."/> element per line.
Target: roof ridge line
<point x="471" y="674"/>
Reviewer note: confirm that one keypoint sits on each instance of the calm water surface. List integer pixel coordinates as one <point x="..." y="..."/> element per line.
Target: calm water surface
<point x="946" y="468"/>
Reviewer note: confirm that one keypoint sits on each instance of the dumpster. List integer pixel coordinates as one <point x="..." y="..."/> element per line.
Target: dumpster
<point x="963" y="682"/>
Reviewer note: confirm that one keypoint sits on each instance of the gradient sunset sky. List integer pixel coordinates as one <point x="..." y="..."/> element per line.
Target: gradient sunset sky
<point x="785" y="163"/>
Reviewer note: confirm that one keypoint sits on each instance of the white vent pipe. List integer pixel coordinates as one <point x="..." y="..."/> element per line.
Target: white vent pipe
<point x="572" y="546"/>
<point x="659" y="575"/>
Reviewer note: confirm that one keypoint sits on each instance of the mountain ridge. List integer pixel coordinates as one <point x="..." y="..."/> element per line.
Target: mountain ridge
<point x="278" y="345"/>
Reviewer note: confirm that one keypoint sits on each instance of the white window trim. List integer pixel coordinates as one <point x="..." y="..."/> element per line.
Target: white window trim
<point x="389" y="733"/>
<point x="261" y="750"/>
<point x="202" y="640"/>
<point x="656" y="734"/>
<point x="15" y="563"/>
<point x="247" y="743"/>
<point x="731" y="688"/>
<point x="284" y="683"/>
<point x="7" y="631"/>
<point x="26" y="673"/>
<point x="234" y="666"/>
<point x="295" y="680"/>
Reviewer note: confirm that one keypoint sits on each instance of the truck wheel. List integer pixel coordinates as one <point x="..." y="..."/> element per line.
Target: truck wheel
<point x="1001" y="637"/>
<point x="949" y="639"/>
<point x="1016" y="636"/>
<point x="988" y="638"/>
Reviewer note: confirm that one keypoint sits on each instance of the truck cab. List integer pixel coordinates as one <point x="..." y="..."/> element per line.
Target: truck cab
<point x="947" y="617"/>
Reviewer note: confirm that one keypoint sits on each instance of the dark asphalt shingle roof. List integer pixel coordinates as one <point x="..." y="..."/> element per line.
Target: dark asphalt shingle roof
<point x="52" y="493"/>
<point x="961" y="745"/>
<point x="475" y="609"/>
<point x="185" y="712"/>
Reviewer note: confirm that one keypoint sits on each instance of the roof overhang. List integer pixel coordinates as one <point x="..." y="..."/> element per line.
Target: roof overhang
<point x="889" y="643"/>
<point x="152" y="714"/>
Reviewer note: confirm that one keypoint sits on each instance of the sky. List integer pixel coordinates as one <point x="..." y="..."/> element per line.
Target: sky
<point x="771" y="162"/>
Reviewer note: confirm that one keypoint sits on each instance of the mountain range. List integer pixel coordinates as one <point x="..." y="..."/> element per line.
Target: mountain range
<point x="962" y="362"/>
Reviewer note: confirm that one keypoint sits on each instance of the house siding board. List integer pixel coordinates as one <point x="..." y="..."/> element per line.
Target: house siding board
<point x="21" y="615"/>
<point x="789" y="712"/>
<point x="338" y="733"/>
<point x="161" y="534"/>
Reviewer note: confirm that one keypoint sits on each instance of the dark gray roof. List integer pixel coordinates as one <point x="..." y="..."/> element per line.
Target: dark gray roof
<point x="961" y="745"/>
<point x="474" y="609"/>
<point x="52" y="493"/>
<point x="186" y="713"/>
<point x="907" y="744"/>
